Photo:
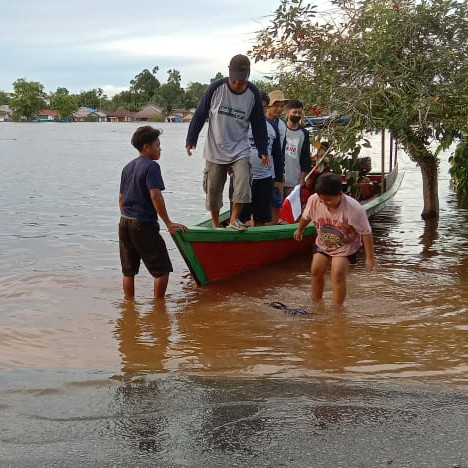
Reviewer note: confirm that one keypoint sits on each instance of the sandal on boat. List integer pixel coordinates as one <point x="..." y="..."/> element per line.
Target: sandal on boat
<point x="238" y="226"/>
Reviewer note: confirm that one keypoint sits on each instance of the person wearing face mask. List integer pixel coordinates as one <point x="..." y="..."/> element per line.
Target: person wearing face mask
<point x="297" y="151"/>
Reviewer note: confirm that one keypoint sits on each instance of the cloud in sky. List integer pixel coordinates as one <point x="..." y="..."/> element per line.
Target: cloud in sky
<point x="104" y="43"/>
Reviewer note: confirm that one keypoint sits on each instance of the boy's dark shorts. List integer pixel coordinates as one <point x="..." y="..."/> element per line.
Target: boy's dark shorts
<point x="260" y="207"/>
<point x="138" y="240"/>
<point x="352" y="258"/>
<point x="277" y="198"/>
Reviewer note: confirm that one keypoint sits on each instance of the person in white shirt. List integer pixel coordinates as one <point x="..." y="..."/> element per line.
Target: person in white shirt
<point x="297" y="151"/>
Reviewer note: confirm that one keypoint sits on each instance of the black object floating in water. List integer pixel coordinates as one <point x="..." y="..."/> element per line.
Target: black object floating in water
<point x="286" y="309"/>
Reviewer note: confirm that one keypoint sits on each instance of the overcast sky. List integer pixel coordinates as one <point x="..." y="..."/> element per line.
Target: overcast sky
<point x="85" y="44"/>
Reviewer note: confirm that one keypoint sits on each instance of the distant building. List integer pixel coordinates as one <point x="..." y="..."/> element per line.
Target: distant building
<point x="147" y="112"/>
<point x="96" y="116"/>
<point x="47" y="115"/>
<point x="180" y="115"/>
<point x="81" y="114"/>
<point x="6" y="114"/>
<point x="120" y="115"/>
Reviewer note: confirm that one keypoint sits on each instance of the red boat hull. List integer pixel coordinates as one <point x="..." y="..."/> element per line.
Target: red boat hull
<point x="220" y="260"/>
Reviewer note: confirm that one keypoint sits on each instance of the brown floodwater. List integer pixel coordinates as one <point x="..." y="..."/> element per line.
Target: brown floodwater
<point x="61" y="303"/>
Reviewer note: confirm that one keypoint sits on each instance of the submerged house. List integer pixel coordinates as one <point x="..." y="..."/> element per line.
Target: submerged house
<point x="6" y="116"/>
<point x="96" y="116"/>
<point x="180" y="115"/>
<point x="47" y="115"/>
<point x="147" y="112"/>
<point x="81" y="114"/>
<point x="120" y="115"/>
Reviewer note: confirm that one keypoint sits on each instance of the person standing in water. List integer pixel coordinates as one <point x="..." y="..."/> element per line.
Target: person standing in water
<point x="140" y="202"/>
<point x="342" y="226"/>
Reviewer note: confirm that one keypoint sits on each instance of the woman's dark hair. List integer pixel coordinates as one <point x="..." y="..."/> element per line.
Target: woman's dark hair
<point x="144" y="135"/>
<point x="329" y="184"/>
<point x="265" y="98"/>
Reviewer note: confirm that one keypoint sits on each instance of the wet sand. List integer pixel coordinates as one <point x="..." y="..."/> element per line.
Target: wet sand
<point x="175" y="421"/>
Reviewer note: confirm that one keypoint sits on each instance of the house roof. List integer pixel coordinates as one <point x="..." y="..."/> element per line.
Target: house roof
<point x="81" y="112"/>
<point x="50" y="112"/>
<point x="120" y="112"/>
<point x="99" y="113"/>
<point x="148" y="111"/>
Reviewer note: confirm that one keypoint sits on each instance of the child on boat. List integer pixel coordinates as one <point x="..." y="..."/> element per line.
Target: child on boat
<point x="342" y="225"/>
<point x="140" y="202"/>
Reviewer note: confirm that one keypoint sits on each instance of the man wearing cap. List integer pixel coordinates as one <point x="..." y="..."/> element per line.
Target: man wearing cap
<point x="230" y="105"/>
<point x="273" y="113"/>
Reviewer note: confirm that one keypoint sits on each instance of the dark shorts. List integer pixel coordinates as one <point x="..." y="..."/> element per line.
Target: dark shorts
<point x="352" y="258"/>
<point x="142" y="241"/>
<point x="276" y="198"/>
<point x="260" y="207"/>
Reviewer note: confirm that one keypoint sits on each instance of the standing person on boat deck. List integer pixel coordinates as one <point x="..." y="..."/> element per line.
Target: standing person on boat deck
<point x="140" y="202"/>
<point x="273" y="113"/>
<point x="297" y="152"/>
<point x="230" y="105"/>
<point x="262" y="183"/>
<point x="341" y="224"/>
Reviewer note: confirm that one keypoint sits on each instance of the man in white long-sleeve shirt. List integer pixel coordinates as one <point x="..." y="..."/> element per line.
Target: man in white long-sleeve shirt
<point x="230" y="105"/>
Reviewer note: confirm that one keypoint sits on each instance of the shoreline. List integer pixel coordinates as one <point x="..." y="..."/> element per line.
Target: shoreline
<point x="176" y="420"/>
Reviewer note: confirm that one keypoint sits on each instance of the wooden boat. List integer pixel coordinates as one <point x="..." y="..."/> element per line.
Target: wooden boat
<point x="213" y="254"/>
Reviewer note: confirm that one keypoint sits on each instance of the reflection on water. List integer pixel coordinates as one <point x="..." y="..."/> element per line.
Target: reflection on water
<point x="60" y="279"/>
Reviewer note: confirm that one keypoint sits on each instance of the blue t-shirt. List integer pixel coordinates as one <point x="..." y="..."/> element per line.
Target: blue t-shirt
<point x="139" y="176"/>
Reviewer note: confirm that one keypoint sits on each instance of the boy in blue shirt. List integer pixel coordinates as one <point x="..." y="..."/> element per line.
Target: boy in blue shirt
<point x="140" y="202"/>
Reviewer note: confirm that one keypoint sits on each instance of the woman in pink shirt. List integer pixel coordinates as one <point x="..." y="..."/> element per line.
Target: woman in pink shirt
<point x="342" y="226"/>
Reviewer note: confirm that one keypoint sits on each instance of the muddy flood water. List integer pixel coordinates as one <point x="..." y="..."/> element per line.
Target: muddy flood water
<point x="213" y="376"/>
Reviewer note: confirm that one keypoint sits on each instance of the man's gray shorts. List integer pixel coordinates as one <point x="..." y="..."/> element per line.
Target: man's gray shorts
<point x="214" y="180"/>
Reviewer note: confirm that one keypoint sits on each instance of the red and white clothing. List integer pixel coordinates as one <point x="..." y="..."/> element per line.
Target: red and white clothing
<point x="338" y="231"/>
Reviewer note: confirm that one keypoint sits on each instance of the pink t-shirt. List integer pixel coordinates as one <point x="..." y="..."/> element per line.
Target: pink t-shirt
<point x="339" y="231"/>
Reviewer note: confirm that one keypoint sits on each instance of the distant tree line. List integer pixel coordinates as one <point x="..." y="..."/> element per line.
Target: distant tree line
<point x="28" y="97"/>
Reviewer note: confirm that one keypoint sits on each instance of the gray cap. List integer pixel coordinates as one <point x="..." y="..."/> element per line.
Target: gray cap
<point x="239" y="68"/>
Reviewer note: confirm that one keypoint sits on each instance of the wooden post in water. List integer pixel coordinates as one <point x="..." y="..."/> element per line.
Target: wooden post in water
<point x="382" y="149"/>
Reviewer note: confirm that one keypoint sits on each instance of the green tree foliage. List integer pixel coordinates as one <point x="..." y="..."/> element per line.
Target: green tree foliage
<point x="193" y="94"/>
<point x="126" y="99"/>
<point x="28" y="98"/>
<point x="4" y="98"/>
<point x="157" y="118"/>
<point x="144" y="86"/>
<point x="170" y="94"/>
<point x="399" y="65"/>
<point x="63" y="103"/>
<point x="92" y="98"/>
<point x="218" y="76"/>
<point x="267" y="86"/>
<point x="459" y="170"/>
